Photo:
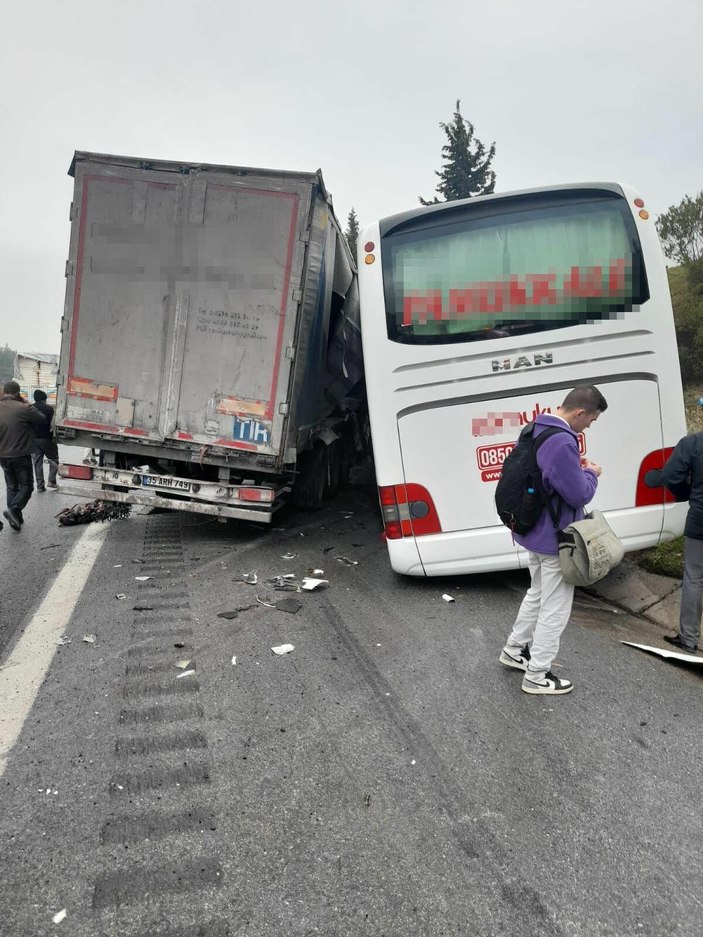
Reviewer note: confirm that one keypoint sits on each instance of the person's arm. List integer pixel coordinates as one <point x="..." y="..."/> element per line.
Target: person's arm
<point x="676" y="474"/>
<point x="561" y="468"/>
<point x="34" y="415"/>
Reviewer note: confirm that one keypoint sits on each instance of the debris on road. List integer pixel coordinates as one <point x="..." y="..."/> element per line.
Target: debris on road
<point x="308" y="584"/>
<point x="289" y="605"/>
<point x="93" y="511"/>
<point x="283" y="649"/>
<point x="327" y="550"/>
<point x="228" y="615"/>
<point x="667" y="655"/>
<point x="182" y="664"/>
<point x="250" y="578"/>
<point x="50" y="546"/>
<point x="57" y="918"/>
<point x="448" y="598"/>
<point x="186" y="673"/>
<point x="316" y="572"/>
<point x="346" y="561"/>
<point x="117" y="566"/>
<point x="142" y="578"/>
<point x="120" y="595"/>
<point x="234" y="661"/>
<point x="289" y="556"/>
<point x="140" y="562"/>
<point x="89" y="638"/>
<point x="143" y="608"/>
<point x="266" y="603"/>
<point x="179" y="644"/>
<point x="63" y="640"/>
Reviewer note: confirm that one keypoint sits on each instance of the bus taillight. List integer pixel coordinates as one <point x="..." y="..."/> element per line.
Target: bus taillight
<point x="646" y="495"/>
<point x="408" y="510"/>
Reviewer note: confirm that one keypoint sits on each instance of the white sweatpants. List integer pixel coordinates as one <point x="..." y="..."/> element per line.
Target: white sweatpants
<point x="544" y="612"/>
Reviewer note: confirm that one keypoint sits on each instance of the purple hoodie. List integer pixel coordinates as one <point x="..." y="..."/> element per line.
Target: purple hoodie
<point x="558" y="458"/>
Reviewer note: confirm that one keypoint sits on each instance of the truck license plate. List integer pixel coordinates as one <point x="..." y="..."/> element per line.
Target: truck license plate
<point x="156" y="481"/>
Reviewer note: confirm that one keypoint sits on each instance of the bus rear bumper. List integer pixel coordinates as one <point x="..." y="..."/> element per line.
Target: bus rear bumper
<point x="491" y="549"/>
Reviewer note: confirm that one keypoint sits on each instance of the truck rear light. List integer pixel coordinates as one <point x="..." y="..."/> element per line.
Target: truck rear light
<point x="84" y="472"/>
<point x="256" y="494"/>
<point x="408" y="510"/>
<point x="646" y="495"/>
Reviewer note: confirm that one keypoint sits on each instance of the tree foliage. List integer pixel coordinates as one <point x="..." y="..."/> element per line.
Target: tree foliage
<point x="686" y="285"/>
<point x="7" y="363"/>
<point x="467" y="163"/>
<point x="681" y="230"/>
<point x="352" y="232"/>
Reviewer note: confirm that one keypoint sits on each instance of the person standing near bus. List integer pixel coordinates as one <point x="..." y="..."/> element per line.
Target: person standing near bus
<point x="683" y="476"/>
<point x="17" y="421"/>
<point x="570" y="483"/>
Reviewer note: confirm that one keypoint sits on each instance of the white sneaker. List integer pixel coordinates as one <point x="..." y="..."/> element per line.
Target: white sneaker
<point x="549" y="685"/>
<point x="515" y="657"/>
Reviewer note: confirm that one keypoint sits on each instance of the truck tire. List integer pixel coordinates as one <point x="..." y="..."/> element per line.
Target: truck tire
<point x="310" y="485"/>
<point x="335" y="460"/>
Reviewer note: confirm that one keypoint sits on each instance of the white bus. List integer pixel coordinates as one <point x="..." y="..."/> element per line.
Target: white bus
<point x="476" y="315"/>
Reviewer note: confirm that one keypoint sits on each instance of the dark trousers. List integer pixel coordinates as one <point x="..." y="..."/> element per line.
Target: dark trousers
<point x="42" y="448"/>
<point x="18" y="480"/>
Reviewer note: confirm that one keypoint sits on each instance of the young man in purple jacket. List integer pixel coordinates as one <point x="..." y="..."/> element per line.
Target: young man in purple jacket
<point x="570" y="484"/>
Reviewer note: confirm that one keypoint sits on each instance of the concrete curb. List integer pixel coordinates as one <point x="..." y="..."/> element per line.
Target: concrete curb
<point x="645" y="595"/>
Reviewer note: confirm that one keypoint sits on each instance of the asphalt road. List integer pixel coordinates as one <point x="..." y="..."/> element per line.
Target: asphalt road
<point x="386" y="777"/>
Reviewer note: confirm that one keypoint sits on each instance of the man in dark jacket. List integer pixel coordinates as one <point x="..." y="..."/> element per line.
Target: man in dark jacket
<point x="683" y="476"/>
<point x="17" y="420"/>
<point x="44" y="444"/>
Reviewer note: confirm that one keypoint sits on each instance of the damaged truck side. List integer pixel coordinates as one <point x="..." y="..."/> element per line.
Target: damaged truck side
<point x="210" y="341"/>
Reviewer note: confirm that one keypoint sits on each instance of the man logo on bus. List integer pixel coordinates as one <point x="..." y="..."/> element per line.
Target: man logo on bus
<point x="523" y="361"/>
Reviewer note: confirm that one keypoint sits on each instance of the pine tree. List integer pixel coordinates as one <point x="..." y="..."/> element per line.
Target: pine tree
<point x="352" y="232"/>
<point x="467" y="164"/>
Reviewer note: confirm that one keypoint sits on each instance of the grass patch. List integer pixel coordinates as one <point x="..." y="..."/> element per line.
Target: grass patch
<point x="664" y="560"/>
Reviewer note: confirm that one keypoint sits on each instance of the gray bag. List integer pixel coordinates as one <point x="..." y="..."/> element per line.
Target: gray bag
<point x="588" y="550"/>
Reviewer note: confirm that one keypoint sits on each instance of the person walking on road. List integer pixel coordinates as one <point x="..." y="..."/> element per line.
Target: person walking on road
<point x="570" y="484"/>
<point x="44" y="444"/>
<point x="683" y="476"/>
<point x="17" y="422"/>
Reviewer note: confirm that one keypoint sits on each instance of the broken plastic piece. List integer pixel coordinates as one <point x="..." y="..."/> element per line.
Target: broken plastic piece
<point x="289" y="556"/>
<point x="142" y="578"/>
<point x="234" y="661"/>
<point x="346" y="561"/>
<point x="186" y="673"/>
<point x="228" y="615"/>
<point x="316" y="572"/>
<point x="289" y="605"/>
<point x="309" y="584"/>
<point x="267" y="604"/>
<point x="57" y="918"/>
<point x="89" y="638"/>
<point x="251" y="578"/>
<point x="120" y="595"/>
<point x="667" y="655"/>
<point x="182" y="664"/>
<point x="63" y="640"/>
<point x="448" y="598"/>
<point x="283" y="649"/>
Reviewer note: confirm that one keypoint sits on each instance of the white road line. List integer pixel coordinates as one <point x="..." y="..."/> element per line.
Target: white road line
<point x="23" y="673"/>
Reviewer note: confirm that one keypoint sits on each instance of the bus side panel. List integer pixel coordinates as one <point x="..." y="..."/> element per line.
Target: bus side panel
<point x="456" y="449"/>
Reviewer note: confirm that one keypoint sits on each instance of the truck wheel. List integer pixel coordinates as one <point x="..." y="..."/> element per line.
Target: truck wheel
<point x="335" y="459"/>
<point x="309" y="488"/>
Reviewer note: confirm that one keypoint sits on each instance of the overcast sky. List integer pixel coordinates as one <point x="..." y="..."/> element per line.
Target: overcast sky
<point x="569" y="91"/>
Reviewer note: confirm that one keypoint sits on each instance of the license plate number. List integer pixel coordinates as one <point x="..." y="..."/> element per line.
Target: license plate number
<point x="155" y="481"/>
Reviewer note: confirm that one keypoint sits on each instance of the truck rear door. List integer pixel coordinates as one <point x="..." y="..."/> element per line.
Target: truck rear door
<point x="183" y="304"/>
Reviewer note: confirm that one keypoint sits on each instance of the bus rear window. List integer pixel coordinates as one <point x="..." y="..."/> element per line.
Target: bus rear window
<point x="504" y="269"/>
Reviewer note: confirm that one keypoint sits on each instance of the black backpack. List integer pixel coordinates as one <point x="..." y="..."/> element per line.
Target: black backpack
<point x="520" y="495"/>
